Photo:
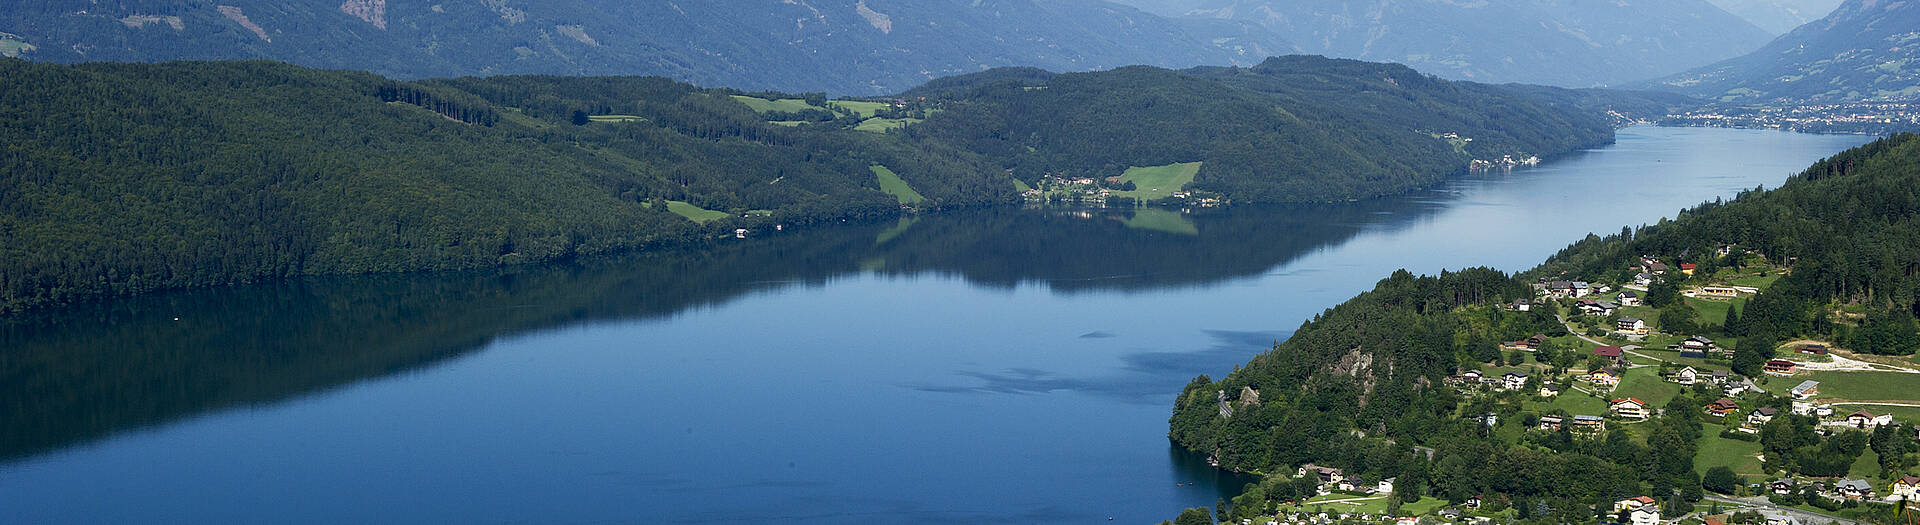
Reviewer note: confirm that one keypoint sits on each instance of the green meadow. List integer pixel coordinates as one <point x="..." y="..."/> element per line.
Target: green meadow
<point x="890" y="182"/>
<point x="1155" y="182"/>
<point x="695" y="213"/>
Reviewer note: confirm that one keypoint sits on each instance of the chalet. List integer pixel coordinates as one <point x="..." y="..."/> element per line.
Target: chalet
<point x="1633" y="503"/>
<point x="1780" y="367"/>
<point x="1686" y="376"/>
<point x="1581" y="289"/>
<point x="1720" y="377"/>
<point x="1325" y="474"/>
<point x="1490" y="419"/>
<point x="1514" y="380"/>
<point x="1629" y="408"/>
<point x="1688" y="268"/>
<point x="1355" y="484"/>
<point x="1560" y="288"/>
<point x="1589" y="423"/>
<point x="1865" y="419"/>
<point x="1806" y="389"/>
<point x="1523" y="305"/>
<point x="1907" y="488"/>
<point x="1632" y="325"/>
<point x="1550" y="422"/>
<point x="1551" y="390"/>
<point x="1473" y="502"/>
<point x="1722" y="407"/>
<point x="1628" y="298"/>
<point x="1741" y="387"/>
<point x="1613" y="353"/>
<point x="1592" y="307"/>
<point x="1782" y="486"/>
<point x="1645" y="515"/>
<point x="1854" y="489"/>
<point x="1470" y="376"/>
<point x="1385" y="486"/>
<point x="1696" y="346"/>
<point x="1760" y="416"/>
<point x="1643" y="279"/>
<point x="1537" y="341"/>
<point x="1781" y="519"/>
<point x="1604" y="378"/>
<point x="1657" y="267"/>
<point x="1812" y="349"/>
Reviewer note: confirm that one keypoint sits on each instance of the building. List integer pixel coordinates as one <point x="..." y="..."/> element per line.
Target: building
<point x="1688" y="268"/>
<point x="1806" y="389"/>
<point x="1604" y="378"/>
<point x="1522" y="305"/>
<point x="1781" y="367"/>
<point x="1629" y="408"/>
<point x="1589" y="423"/>
<point x="1325" y="474"/>
<point x="1632" y="503"/>
<point x="1720" y="377"/>
<point x="1812" y="349"/>
<point x="1645" y="515"/>
<point x="1760" y="416"/>
<point x="1865" y="419"/>
<point x="1854" y="489"/>
<point x="1628" y="298"/>
<point x="1722" y="407"/>
<point x="1385" y="486"/>
<point x="1782" y="486"/>
<point x="1632" y="325"/>
<point x="1720" y="291"/>
<point x="1696" y="346"/>
<point x="1550" y="422"/>
<point x="1514" y="380"/>
<point x="1551" y="390"/>
<point x="1907" y="487"/>
<point x="1686" y="376"/>
<point x="1610" y="352"/>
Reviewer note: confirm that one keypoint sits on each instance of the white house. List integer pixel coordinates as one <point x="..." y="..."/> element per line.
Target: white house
<point x="1865" y="419"/>
<point x="1645" y="515"/>
<point x="1385" y="486"/>
<point x="1633" y="325"/>
<point x="1629" y="408"/>
<point x="1854" y="489"/>
<point x="1515" y="380"/>
<point x="1806" y="389"/>
<point x="1686" y="376"/>
<point x="1907" y="487"/>
<point x="1760" y="416"/>
<point x="1628" y="298"/>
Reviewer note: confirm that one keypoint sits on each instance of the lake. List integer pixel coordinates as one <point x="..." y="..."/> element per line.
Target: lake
<point x="1011" y="365"/>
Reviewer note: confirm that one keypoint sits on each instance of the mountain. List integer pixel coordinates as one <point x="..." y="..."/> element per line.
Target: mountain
<point x="1864" y="50"/>
<point x="1778" y="16"/>
<point x="866" y="47"/>
<point x="1578" y="43"/>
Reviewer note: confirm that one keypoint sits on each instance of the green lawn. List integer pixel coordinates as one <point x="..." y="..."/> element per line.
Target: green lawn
<point x="863" y="109"/>
<point x="1148" y="218"/>
<point x="1021" y="186"/>
<point x="1647" y="385"/>
<point x="761" y="105"/>
<point x="1576" y="403"/>
<point x="1867" y="466"/>
<point x="1716" y="451"/>
<point x="890" y="182"/>
<point x="1373" y="506"/>
<point x="1909" y="415"/>
<point x="1158" y="181"/>
<point x="1761" y="282"/>
<point x="1714" y="311"/>
<point x="1855" y="386"/>
<point x="696" y="213"/>
<point x="881" y="125"/>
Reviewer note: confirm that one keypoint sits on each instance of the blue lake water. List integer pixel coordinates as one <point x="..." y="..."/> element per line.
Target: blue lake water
<point x="992" y="365"/>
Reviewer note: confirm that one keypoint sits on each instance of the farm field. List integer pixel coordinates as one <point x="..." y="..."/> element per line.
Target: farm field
<point x="761" y="105"/>
<point x="1716" y="451"/>
<point x="881" y="125"/>
<point x="1154" y="182"/>
<point x="695" y="213"/>
<point x="890" y="182"/>
<point x="1853" y="386"/>
<point x="1714" y="311"/>
<point x="863" y="109"/>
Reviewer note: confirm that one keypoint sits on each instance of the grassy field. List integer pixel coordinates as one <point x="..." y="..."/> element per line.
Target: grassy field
<point x="1647" y="385"/>
<point x="1147" y="218"/>
<point x="1158" y="181"/>
<point x="890" y="182"/>
<point x="1576" y="403"/>
<point x="13" y="48"/>
<point x="1373" y="506"/>
<point x="1021" y="186"/>
<point x="863" y="109"/>
<point x="1854" y="386"/>
<point x="881" y="125"/>
<point x="1716" y="451"/>
<point x="1757" y="281"/>
<point x="761" y="105"/>
<point x="1867" y="466"/>
<point x="614" y="118"/>
<point x="696" y="213"/>
<point x="1712" y="311"/>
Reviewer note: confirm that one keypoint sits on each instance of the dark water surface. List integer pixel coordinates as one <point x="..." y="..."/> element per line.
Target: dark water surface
<point x="998" y="365"/>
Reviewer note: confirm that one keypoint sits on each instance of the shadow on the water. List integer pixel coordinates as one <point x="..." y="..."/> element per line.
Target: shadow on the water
<point x="87" y="372"/>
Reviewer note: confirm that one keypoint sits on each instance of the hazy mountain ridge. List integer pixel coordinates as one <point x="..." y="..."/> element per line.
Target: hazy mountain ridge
<point x="1778" y="16"/>
<point x="1864" y="50"/>
<point x="866" y="47"/>
<point x="1556" y="42"/>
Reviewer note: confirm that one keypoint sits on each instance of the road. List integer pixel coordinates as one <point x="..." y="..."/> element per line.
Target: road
<point x="1806" y="518"/>
<point x="1628" y="348"/>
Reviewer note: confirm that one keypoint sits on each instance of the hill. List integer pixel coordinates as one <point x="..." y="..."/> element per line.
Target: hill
<point x="1292" y="129"/>
<point x="1862" y="51"/>
<point x="1554" y="42"/>
<point x="1377" y="386"/>
<point x="866" y="47"/>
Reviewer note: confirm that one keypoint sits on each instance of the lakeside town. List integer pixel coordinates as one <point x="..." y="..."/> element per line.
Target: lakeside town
<point x="1621" y="361"/>
<point x="1869" y="118"/>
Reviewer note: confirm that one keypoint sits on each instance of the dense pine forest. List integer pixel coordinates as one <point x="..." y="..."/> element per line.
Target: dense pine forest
<point x="126" y="178"/>
<point x="1373" y="386"/>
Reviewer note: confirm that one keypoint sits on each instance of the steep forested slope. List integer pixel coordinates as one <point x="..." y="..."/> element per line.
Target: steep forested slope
<point x="866" y="47"/>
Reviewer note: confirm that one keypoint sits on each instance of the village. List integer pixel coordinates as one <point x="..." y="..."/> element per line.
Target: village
<point x="1615" y="367"/>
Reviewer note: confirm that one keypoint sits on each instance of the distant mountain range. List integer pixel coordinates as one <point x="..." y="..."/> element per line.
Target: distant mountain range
<point x="1557" y="42"/>
<point x="1778" y="16"/>
<point x="858" y="47"/>
<point x="1864" y="50"/>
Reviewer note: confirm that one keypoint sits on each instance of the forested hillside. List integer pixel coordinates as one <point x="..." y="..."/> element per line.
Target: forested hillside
<point x="1293" y="129"/>
<point x="1862" y="50"/>
<point x="123" y="178"/>
<point x="1360" y="385"/>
